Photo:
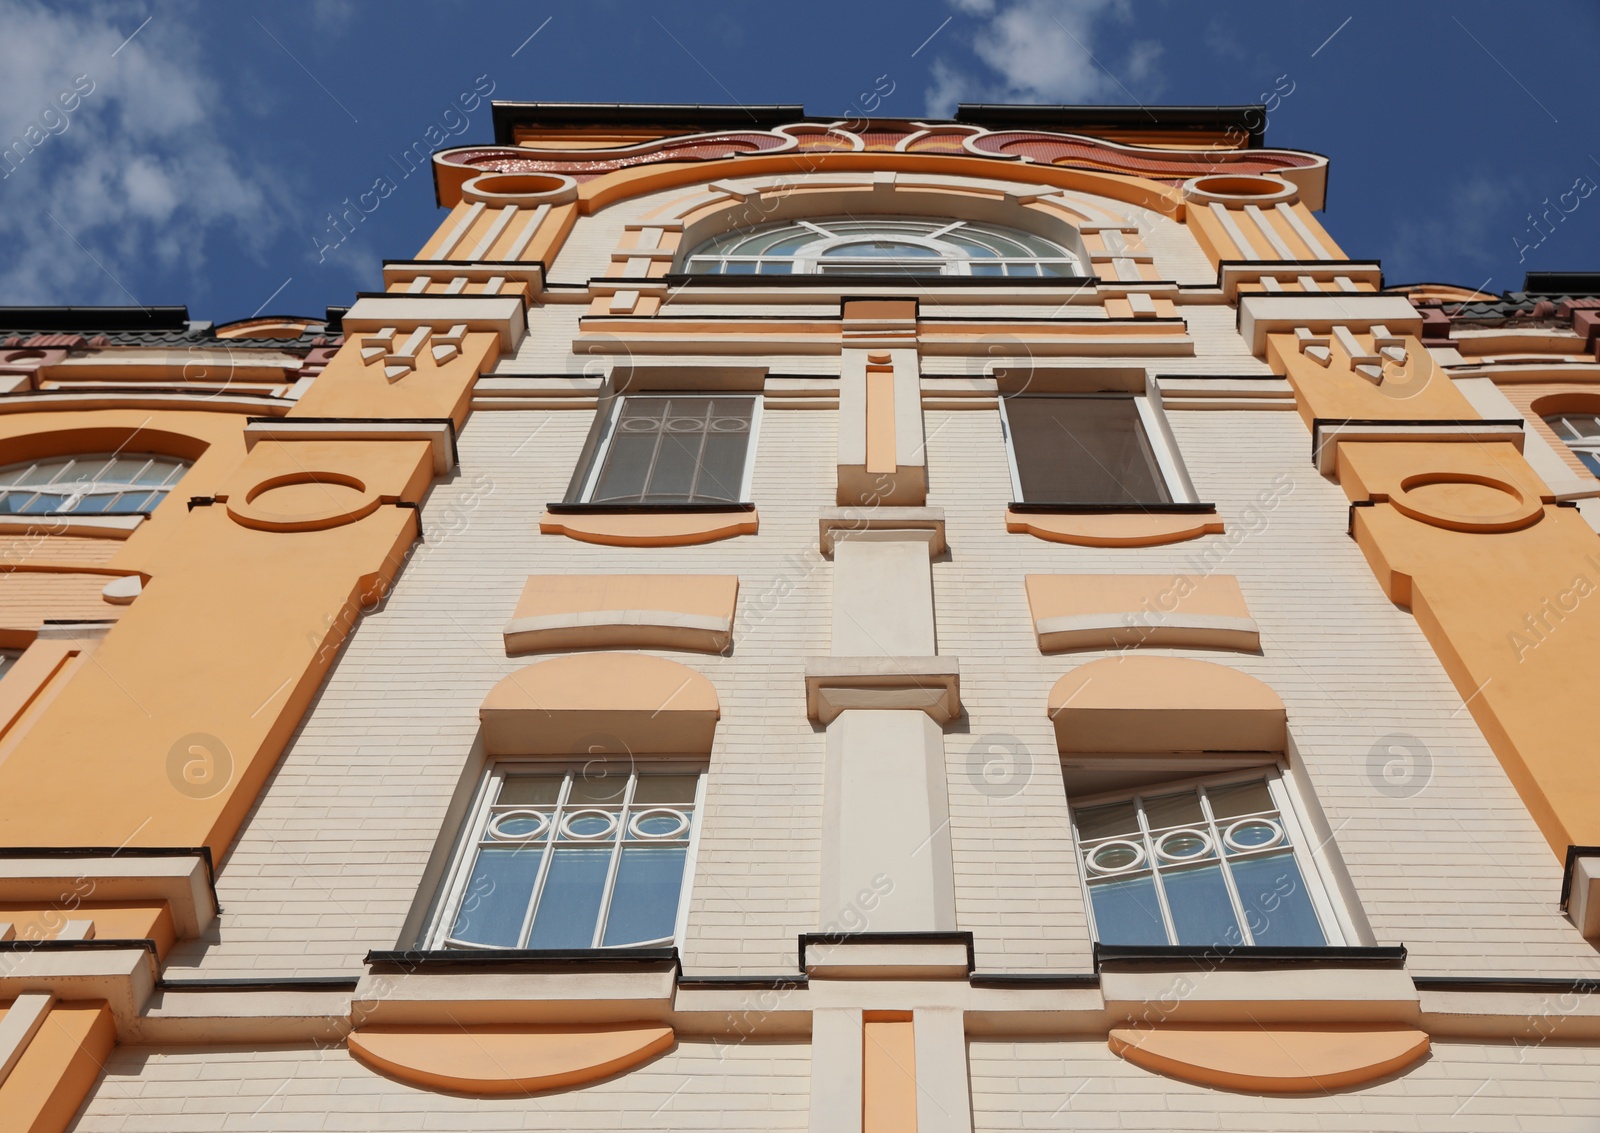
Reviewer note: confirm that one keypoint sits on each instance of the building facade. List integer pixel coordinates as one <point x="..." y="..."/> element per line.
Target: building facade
<point x="779" y="623"/>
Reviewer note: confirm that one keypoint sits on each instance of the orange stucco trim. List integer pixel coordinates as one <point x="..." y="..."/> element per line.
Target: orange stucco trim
<point x="888" y="1074"/>
<point x="507" y="1060"/>
<point x="1100" y="611"/>
<point x="555" y="707"/>
<point x="1271" y="1059"/>
<point x="1125" y="529"/>
<point x="49" y="1082"/>
<point x="660" y="529"/>
<point x="587" y="611"/>
<point x="1143" y="704"/>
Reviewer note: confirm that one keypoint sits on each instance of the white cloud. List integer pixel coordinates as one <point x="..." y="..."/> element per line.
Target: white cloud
<point x="124" y="171"/>
<point x="1046" y="51"/>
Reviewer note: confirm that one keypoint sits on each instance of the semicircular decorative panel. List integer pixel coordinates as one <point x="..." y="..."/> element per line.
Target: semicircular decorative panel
<point x="1271" y="1059"/>
<point x="507" y="1059"/>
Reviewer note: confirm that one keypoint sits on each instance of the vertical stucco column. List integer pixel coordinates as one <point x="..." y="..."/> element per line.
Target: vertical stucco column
<point x="836" y="1070"/>
<point x="886" y="863"/>
<point x="882" y="594"/>
<point x="886" y="833"/>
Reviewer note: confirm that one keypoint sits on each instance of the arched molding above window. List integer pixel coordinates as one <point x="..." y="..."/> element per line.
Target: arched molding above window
<point x="892" y="245"/>
<point x="626" y="702"/>
<point x="1159" y="705"/>
<point x="1036" y="211"/>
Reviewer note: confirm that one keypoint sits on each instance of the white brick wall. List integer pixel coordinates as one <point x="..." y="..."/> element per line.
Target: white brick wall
<point x="695" y="1086"/>
<point x="1461" y="1087"/>
<point x="1458" y="872"/>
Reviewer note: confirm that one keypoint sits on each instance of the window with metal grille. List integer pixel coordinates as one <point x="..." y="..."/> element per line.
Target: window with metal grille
<point x="1087" y="449"/>
<point x="1581" y="433"/>
<point x="109" y="484"/>
<point x="593" y="857"/>
<point x="890" y="246"/>
<point x="674" y="449"/>
<point x="1211" y="863"/>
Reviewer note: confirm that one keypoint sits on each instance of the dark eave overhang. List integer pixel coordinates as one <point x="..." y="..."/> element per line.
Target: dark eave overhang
<point x="91" y="319"/>
<point x="694" y="118"/>
<point x="1247" y="122"/>
<point x="1561" y="283"/>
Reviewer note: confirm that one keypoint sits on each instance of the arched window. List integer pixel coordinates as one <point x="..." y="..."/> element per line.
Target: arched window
<point x="101" y="484"/>
<point x="902" y="246"/>
<point x="1581" y="432"/>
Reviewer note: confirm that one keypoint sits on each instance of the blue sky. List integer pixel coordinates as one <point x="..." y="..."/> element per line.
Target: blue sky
<point x="201" y="157"/>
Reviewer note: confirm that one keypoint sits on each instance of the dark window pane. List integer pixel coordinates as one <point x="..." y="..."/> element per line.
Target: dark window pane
<point x="1086" y="450"/>
<point x="1276" y="905"/>
<point x="667" y="450"/>
<point x="644" y="905"/>
<point x="529" y="790"/>
<point x="497" y="896"/>
<point x="1126" y="912"/>
<point x="571" y="899"/>
<point x="1201" y="912"/>
<point x="676" y="790"/>
<point x="627" y="467"/>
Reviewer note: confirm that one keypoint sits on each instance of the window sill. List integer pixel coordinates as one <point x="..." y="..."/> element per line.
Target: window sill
<point x="644" y="509"/>
<point x="650" y="525"/>
<point x="525" y="958"/>
<point x="1114" y="525"/>
<point x="1217" y="956"/>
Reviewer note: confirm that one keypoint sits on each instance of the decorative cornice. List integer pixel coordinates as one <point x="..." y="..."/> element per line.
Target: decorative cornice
<point x="1041" y="147"/>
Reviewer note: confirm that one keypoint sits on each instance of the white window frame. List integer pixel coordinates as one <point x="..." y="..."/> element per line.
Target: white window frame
<point x="1162" y="444"/>
<point x="462" y="859"/>
<point x="603" y="449"/>
<point x="951" y="259"/>
<point x="1334" y="920"/>
<point x="1585" y="444"/>
<point x="77" y="491"/>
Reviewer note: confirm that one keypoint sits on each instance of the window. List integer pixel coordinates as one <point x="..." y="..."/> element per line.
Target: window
<point x="1088" y="449"/>
<point x="590" y="858"/>
<point x="674" y="449"/>
<point x="112" y="484"/>
<point x="1217" y="863"/>
<point x="883" y="247"/>
<point x="1581" y="432"/>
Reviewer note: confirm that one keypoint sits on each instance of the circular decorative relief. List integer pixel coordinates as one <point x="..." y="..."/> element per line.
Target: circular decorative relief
<point x="1463" y="501"/>
<point x="1239" y="189"/>
<point x="520" y="189"/>
<point x="304" y="501"/>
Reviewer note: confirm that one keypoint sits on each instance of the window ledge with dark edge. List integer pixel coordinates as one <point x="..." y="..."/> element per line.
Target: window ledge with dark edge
<point x="1206" y="958"/>
<point x="650" y="525"/>
<point x="529" y="959"/>
<point x="1113" y="525"/>
<point x="645" y="508"/>
<point x="1067" y="508"/>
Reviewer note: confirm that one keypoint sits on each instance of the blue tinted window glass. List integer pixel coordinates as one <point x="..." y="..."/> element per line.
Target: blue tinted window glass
<point x="1276" y="905"/>
<point x="570" y="902"/>
<point x="644" y="905"/>
<point x="1201" y="912"/>
<point x="1126" y="912"/>
<point x="497" y="896"/>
